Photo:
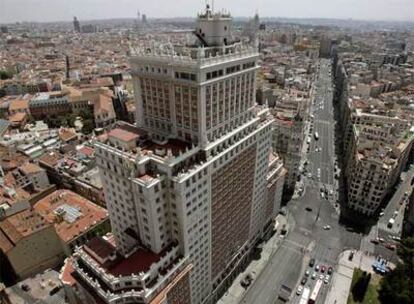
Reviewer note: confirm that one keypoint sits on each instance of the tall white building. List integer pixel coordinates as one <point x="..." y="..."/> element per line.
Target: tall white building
<point x="196" y="179"/>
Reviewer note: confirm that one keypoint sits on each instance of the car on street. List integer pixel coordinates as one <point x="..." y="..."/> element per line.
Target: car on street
<point x="381" y="214"/>
<point x="311" y="262"/>
<point x="309" y="209"/>
<point x="330" y="270"/>
<point x="374" y="241"/>
<point x="304" y="280"/>
<point x="299" y="290"/>
<point x="351" y="256"/>
<point x="309" y="175"/>
<point x="390" y="246"/>
<point x="327" y="277"/>
<point x="314" y="276"/>
<point x="326" y="227"/>
<point x="395" y="238"/>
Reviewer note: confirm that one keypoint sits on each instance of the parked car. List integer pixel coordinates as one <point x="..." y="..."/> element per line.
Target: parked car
<point x="326" y="281"/>
<point x="299" y="290"/>
<point x="374" y="241"/>
<point x="323" y="269"/>
<point x="396" y="238"/>
<point x="247" y="280"/>
<point x="330" y="270"/>
<point x="307" y="273"/>
<point x="314" y="276"/>
<point x="308" y="209"/>
<point x="317" y="267"/>
<point x="304" y="280"/>
<point x="311" y="262"/>
<point x="390" y="246"/>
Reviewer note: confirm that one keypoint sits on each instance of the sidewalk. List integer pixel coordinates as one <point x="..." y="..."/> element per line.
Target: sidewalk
<point x="342" y="277"/>
<point x="236" y="292"/>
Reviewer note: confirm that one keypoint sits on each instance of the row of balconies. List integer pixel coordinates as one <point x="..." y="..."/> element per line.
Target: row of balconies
<point x="131" y="296"/>
<point x="134" y="280"/>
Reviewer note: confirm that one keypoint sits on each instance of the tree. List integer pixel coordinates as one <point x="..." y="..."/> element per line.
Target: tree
<point x="398" y="285"/>
<point x="6" y="74"/>
<point x="360" y="287"/>
<point x="88" y="126"/>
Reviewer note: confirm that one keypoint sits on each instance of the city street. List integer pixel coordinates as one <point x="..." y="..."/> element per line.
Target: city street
<point x="311" y="213"/>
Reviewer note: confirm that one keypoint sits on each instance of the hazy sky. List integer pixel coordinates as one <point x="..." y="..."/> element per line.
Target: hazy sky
<point x="53" y="10"/>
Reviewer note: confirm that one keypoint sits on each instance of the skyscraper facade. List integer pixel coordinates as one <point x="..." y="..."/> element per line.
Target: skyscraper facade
<point x="195" y="182"/>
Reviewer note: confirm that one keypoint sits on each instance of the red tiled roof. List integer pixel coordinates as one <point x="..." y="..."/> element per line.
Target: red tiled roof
<point x="90" y="213"/>
<point x="67" y="134"/>
<point x="29" y="168"/>
<point x="22" y="224"/>
<point x="66" y="273"/>
<point x="123" y="135"/>
<point x="19" y="104"/>
<point x="5" y="243"/>
<point x="50" y="159"/>
<point x="89" y="151"/>
<point x="17" y="117"/>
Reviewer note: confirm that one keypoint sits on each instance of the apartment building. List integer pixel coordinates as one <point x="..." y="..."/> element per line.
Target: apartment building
<point x="192" y="186"/>
<point x="28" y="245"/>
<point x="377" y="154"/>
<point x="288" y="135"/>
<point x="45" y="104"/>
<point x="376" y="118"/>
<point x="75" y="218"/>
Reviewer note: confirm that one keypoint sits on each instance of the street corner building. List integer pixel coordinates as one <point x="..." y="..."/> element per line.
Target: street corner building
<point x="193" y="186"/>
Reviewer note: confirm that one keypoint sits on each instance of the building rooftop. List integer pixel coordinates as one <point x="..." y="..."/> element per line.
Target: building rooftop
<point x="17" y="117"/>
<point x="19" y="104"/>
<point x="18" y="226"/>
<point x="139" y="261"/>
<point x="92" y="177"/>
<point x="30" y="168"/>
<point x="67" y="134"/>
<point x="123" y="135"/>
<point x="45" y="287"/>
<point x="87" y="151"/>
<point x="71" y="214"/>
<point x="50" y="159"/>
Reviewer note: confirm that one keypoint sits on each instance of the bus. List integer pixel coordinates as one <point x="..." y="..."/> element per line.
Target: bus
<point x="316" y="135"/>
<point x="315" y="292"/>
<point x="305" y="296"/>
